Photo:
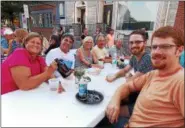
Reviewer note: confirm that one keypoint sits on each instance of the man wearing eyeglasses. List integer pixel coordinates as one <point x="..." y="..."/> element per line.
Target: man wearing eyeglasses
<point x="161" y="99"/>
<point x="62" y="52"/>
<point x="140" y="62"/>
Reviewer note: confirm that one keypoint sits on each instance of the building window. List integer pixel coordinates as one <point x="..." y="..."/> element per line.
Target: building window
<point x="137" y="15"/>
<point x="42" y="19"/>
<point x="108" y="2"/>
<point x="61" y="10"/>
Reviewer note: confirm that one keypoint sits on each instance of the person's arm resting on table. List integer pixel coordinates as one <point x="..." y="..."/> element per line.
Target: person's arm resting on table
<point x="82" y="58"/>
<point x="25" y="81"/>
<point x="113" y="109"/>
<point x="121" y="73"/>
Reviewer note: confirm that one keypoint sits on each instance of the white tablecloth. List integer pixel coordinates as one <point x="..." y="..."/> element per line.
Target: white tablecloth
<point x="42" y="107"/>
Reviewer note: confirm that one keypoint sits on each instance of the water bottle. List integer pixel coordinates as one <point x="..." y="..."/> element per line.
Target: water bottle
<point x="82" y="89"/>
<point x="114" y="60"/>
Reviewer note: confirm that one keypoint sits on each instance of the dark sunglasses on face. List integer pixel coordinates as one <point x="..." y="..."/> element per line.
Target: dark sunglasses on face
<point x="137" y="42"/>
<point x="162" y="46"/>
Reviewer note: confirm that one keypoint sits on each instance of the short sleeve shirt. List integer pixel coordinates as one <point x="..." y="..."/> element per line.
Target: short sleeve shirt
<point x="100" y="53"/>
<point x="4" y="43"/>
<point x="20" y="57"/>
<point x="144" y="65"/>
<point x="58" y="53"/>
<point x="161" y="100"/>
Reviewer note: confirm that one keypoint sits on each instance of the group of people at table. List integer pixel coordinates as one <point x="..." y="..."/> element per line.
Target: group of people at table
<point x="152" y="97"/>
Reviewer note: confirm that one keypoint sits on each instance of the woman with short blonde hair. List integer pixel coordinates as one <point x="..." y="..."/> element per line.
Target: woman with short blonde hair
<point x="84" y="56"/>
<point x="85" y="40"/>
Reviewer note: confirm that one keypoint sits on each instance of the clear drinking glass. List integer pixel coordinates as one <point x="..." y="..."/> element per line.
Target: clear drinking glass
<point x="53" y="84"/>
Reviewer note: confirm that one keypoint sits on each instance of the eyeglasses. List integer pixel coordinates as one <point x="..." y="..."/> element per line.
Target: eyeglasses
<point x="137" y="42"/>
<point x="162" y="46"/>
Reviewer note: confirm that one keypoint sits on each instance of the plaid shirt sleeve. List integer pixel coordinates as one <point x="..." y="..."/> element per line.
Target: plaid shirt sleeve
<point x="145" y="64"/>
<point x="132" y="61"/>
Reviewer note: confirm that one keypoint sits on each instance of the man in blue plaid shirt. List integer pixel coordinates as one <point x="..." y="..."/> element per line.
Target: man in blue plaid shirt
<point x="141" y="63"/>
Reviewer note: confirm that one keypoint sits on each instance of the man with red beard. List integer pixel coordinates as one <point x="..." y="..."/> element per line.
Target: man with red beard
<point x="141" y="63"/>
<point x="161" y="99"/>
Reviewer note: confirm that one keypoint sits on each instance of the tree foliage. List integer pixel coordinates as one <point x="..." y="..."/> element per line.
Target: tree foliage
<point x="11" y="9"/>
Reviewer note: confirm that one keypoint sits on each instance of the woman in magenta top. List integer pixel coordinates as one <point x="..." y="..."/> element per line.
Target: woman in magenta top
<point x="24" y="69"/>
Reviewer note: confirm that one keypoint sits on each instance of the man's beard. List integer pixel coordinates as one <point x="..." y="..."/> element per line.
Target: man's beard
<point x="158" y="65"/>
<point x="139" y="50"/>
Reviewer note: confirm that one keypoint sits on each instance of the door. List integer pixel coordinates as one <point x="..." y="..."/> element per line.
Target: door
<point x="83" y="18"/>
<point x="107" y="17"/>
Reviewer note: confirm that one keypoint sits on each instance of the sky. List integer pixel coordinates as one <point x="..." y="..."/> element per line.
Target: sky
<point x="143" y="10"/>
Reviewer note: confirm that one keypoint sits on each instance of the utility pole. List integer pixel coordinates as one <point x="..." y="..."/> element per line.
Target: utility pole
<point x="26" y="14"/>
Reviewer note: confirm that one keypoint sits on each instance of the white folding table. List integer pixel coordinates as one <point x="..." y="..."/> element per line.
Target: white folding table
<point x="42" y="107"/>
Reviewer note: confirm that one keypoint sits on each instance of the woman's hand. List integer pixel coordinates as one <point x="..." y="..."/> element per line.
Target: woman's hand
<point x="53" y="67"/>
<point x="113" y="110"/>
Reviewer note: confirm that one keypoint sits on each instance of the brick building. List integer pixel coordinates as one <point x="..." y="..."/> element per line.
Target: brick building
<point x="42" y="18"/>
<point x="179" y="20"/>
<point x="72" y="14"/>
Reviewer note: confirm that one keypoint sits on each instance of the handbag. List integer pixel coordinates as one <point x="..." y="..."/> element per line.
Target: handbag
<point x="63" y="68"/>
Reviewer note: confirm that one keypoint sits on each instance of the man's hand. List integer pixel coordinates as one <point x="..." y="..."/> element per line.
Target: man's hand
<point x="113" y="110"/>
<point x="111" y="78"/>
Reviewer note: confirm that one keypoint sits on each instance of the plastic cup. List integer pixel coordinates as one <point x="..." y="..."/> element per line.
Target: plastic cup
<point x="101" y="63"/>
<point x="53" y="84"/>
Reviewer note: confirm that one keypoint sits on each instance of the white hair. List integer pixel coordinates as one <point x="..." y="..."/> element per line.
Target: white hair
<point x="86" y="39"/>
